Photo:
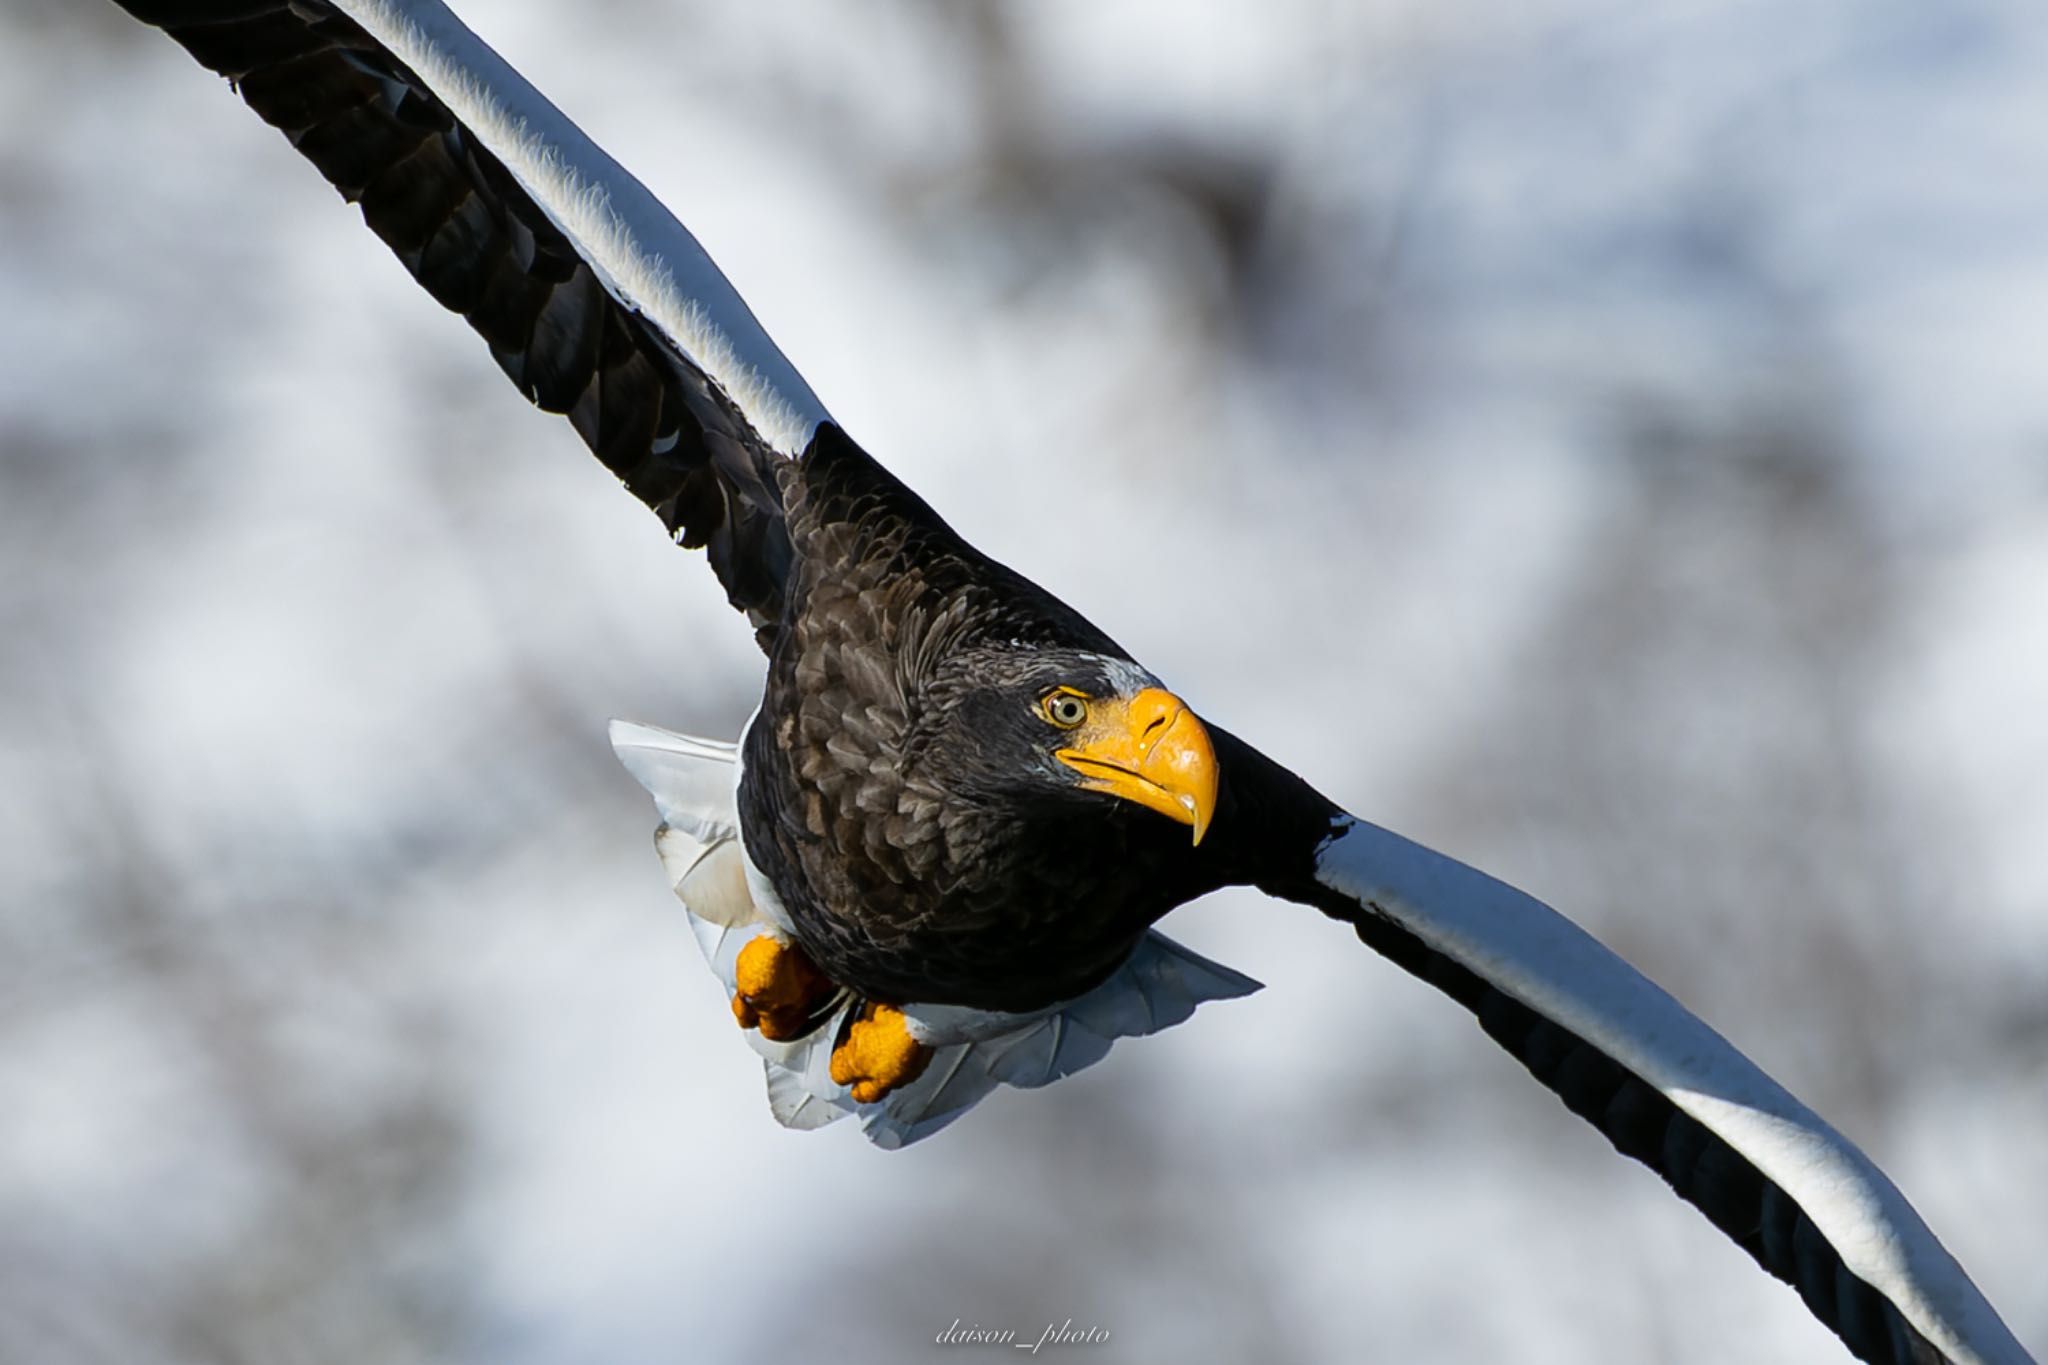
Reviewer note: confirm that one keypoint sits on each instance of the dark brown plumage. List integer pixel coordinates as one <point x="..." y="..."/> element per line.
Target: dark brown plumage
<point x="922" y="869"/>
<point x="905" y="792"/>
<point x="899" y="790"/>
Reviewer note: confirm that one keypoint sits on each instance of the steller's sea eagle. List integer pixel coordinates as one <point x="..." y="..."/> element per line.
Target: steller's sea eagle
<point x="933" y="862"/>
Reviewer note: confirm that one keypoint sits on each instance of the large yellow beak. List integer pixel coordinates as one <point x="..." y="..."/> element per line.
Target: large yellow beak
<point x="1150" y="749"/>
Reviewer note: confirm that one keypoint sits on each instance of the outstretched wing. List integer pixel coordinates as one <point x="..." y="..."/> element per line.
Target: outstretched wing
<point x="592" y="297"/>
<point x="1670" y="1092"/>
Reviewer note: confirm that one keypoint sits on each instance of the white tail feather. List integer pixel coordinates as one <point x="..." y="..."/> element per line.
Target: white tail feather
<point x="691" y="780"/>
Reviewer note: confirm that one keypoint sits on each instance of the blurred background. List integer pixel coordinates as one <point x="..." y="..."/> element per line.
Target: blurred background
<point x="1610" y="443"/>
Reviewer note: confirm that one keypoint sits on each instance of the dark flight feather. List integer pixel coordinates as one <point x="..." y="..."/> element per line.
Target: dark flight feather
<point x="895" y="792"/>
<point x="465" y="228"/>
<point x="1640" y="1121"/>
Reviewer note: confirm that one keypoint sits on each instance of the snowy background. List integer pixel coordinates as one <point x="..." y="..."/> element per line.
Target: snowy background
<point x="1617" y="437"/>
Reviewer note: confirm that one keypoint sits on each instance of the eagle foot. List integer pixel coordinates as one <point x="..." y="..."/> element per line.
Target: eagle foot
<point x="876" y="1053"/>
<point x="778" y="989"/>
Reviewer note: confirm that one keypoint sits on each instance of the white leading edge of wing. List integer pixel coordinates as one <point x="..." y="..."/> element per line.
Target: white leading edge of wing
<point x="1542" y="959"/>
<point x="646" y="258"/>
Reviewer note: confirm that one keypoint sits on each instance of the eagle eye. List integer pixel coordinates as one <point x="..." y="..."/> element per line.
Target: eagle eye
<point x="1063" y="708"/>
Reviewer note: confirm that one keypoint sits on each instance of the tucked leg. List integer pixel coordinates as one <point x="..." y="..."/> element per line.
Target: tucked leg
<point x="878" y="1054"/>
<point x="778" y="989"/>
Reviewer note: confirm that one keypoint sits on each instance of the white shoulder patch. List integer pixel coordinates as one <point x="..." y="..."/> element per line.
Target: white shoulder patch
<point x="645" y="258"/>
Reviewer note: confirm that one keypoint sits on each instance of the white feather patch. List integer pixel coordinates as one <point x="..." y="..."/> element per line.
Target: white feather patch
<point x="978" y="1050"/>
<point x="644" y="257"/>
<point x="1551" y="965"/>
<point x="690" y="779"/>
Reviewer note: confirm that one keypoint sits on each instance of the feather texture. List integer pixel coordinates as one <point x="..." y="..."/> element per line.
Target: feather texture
<point x="1670" y="1092"/>
<point x="595" y="302"/>
<point x="893" y="808"/>
<point x="693" y="782"/>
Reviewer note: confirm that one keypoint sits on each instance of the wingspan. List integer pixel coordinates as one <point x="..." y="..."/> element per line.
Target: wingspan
<point x="594" y="300"/>
<point x="600" y="306"/>
<point x="1670" y="1092"/>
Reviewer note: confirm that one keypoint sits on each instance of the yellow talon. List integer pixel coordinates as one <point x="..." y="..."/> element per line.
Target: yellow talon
<point x="776" y="988"/>
<point x="878" y="1054"/>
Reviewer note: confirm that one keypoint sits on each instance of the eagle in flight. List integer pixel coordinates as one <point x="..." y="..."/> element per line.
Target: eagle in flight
<point x="933" y="862"/>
